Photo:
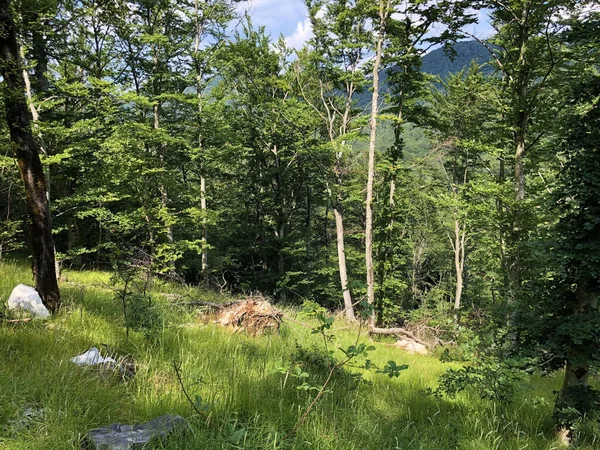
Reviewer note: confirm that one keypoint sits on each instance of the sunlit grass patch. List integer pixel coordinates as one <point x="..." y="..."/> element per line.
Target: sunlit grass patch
<point x="235" y="377"/>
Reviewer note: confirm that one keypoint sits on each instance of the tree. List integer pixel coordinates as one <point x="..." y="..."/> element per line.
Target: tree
<point x="526" y="52"/>
<point x="409" y="37"/>
<point x="210" y="19"/>
<point x="338" y="48"/>
<point x="400" y="38"/>
<point x="384" y="11"/>
<point x="574" y="306"/>
<point x="466" y="118"/>
<point x="273" y="133"/>
<point x="26" y="150"/>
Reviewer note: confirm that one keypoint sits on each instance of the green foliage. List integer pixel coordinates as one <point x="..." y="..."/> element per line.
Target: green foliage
<point x="490" y="378"/>
<point x="225" y="157"/>
<point x="142" y="316"/>
<point x="238" y="385"/>
<point x="583" y="405"/>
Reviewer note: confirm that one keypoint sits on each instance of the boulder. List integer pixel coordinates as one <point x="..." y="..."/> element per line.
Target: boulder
<point x="128" y="437"/>
<point x="26" y="299"/>
<point x="412" y="347"/>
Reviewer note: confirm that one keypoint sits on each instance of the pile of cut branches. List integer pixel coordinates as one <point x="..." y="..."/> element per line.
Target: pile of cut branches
<point x="253" y="314"/>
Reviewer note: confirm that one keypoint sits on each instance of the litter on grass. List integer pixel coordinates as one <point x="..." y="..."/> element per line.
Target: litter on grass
<point x="127" y="437"/>
<point x="123" y="366"/>
<point x="91" y="358"/>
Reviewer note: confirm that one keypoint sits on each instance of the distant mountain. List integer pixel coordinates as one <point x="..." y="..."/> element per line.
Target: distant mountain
<point x="437" y="62"/>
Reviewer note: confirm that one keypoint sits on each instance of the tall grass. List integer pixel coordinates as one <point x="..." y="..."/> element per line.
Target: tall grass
<point x="236" y="377"/>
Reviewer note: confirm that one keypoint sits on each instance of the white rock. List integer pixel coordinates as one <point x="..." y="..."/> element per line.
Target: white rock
<point x="412" y="346"/>
<point x="91" y="358"/>
<point x="27" y="299"/>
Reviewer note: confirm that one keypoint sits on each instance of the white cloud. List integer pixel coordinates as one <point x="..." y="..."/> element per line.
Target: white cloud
<point x="302" y="34"/>
<point x="277" y="16"/>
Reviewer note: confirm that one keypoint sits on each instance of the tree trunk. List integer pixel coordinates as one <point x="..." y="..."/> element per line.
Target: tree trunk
<point x="42" y="82"/>
<point x="164" y="194"/>
<point x="281" y="220"/>
<point x="519" y="184"/>
<point x="521" y="130"/>
<point x="339" y="228"/>
<point x="519" y="165"/>
<point x="371" y="167"/>
<point x="459" y="261"/>
<point x="26" y="151"/>
<point x="40" y="54"/>
<point x="204" y="232"/>
<point x="199" y="33"/>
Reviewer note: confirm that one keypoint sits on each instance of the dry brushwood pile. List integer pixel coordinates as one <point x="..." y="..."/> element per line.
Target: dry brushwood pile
<point x="254" y="315"/>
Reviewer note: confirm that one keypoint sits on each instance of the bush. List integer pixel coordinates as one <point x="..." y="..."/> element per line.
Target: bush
<point x="142" y="316"/>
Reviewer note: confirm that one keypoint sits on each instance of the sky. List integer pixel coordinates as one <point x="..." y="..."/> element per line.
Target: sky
<point x="290" y="18"/>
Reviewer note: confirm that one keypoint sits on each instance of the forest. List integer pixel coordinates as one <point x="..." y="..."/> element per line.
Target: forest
<point x="397" y="178"/>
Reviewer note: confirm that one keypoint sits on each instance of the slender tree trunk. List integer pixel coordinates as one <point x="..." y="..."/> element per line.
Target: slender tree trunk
<point x="383" y="7"/>
<point x="341" y="250"/>
<point x="199" y="33"/>
<point x="519" y="185"/>
<point x="521" y="128"/>
<point x="40" y="54"/>
<point x="519" y="163"/>
<point x="459" y="261"/>
<point x="164" y="194"/>
<point x="204" y="231"/>
<point x="281" y="220"/>
<point x="27" y="151"/>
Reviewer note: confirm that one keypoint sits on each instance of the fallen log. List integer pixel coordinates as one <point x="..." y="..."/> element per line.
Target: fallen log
<point x="398" y="331"/>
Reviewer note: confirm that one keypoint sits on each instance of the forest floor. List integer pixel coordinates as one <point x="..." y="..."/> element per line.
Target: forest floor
<point x="251" y="403"/>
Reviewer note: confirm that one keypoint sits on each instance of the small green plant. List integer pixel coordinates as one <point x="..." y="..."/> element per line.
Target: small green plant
<point x="231" y="430"/>
<point x="142" y="316"/>
<point x="134" y="277"/>
<point x="583" y="404"/>
<point x="350" y="354"/>
<point x="490" y="378"/>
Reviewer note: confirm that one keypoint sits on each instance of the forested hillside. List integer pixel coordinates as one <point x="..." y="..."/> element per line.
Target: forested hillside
<point x="440" y="63"/>
<point x="450" y="198"/>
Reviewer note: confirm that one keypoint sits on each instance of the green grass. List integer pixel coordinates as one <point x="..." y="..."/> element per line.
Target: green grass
<point x="237" y="377"/>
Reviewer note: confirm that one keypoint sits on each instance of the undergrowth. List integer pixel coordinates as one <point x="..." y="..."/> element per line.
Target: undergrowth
<point x="235" y="377"/>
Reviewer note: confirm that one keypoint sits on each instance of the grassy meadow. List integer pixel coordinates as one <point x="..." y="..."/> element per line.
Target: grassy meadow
<point x="251" y="404"/>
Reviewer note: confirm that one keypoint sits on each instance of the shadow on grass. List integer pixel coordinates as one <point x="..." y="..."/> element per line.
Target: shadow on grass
<point x="236" y="377"/>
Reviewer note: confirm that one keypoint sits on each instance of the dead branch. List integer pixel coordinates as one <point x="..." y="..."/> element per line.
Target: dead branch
<point x="205" y="416"/>
<point x="16" y="320"/>
<point x="398" y="331"/>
